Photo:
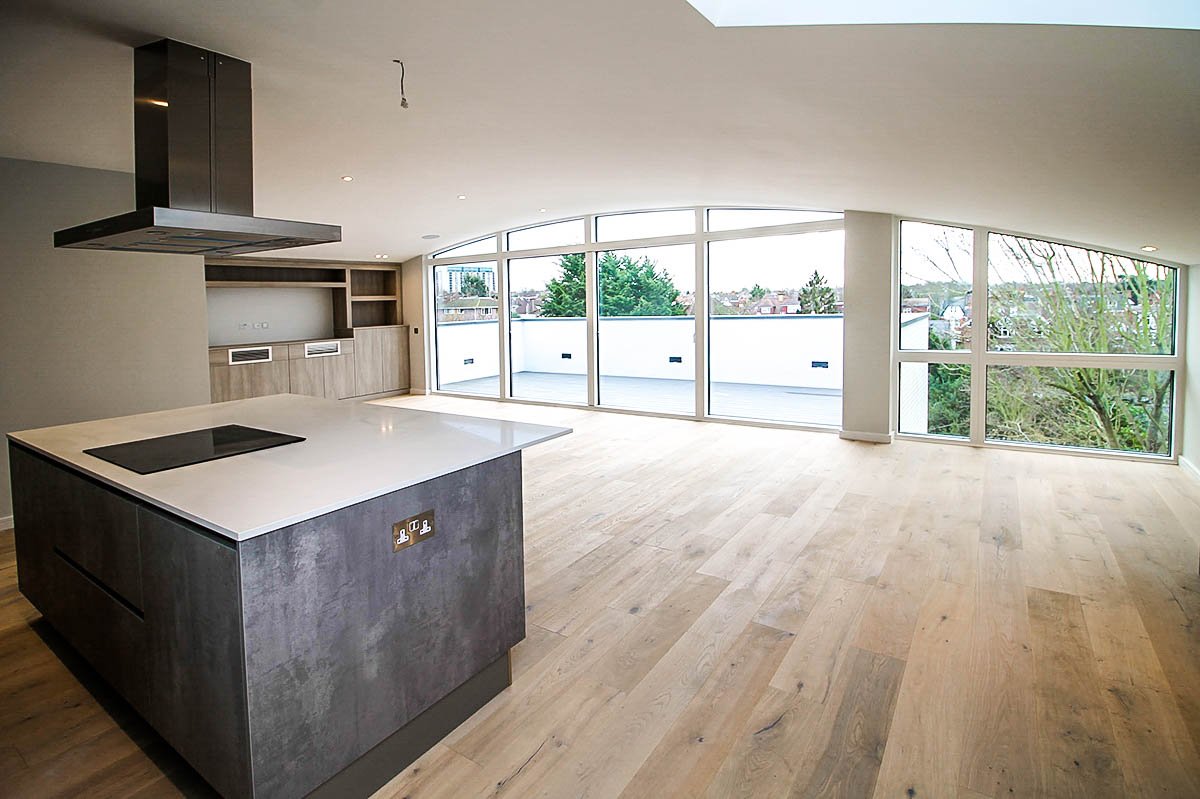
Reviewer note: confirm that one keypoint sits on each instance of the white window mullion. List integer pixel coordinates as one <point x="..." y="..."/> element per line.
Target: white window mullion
<point x="591" y="297"/>
<point x="1182" y="275"/>
<point x="700" y="313"/>
<point x="979" y="335"/>
<point x="502" y="309"/>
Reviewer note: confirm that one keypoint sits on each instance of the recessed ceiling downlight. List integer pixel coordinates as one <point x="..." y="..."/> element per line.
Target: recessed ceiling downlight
<point x="347" y="178"/>
<point x="462" y="196"/>
<point x="431" y="236"/>
<point x="1149" y="248"/>
<point x="380" y="255"/>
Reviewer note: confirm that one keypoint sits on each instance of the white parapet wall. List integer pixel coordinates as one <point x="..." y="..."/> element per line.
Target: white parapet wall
<point x="914" y="377"/>
<point x="782" y="350"/>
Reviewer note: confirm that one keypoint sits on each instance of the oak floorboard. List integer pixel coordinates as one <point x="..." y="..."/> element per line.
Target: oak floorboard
<point x="831" y="618"/>
<point x="1076" y="748"/>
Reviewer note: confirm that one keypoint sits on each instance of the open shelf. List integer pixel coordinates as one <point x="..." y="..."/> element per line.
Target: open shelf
<point x="373" y="283"/>
<point x="362" y="294"/>
<point x="261" y="275"/>
<point x="374" y="313"/>
<point x="270" y="284"/>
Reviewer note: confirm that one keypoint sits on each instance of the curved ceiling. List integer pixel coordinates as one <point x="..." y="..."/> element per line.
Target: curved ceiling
<point x="1087" y="134"/>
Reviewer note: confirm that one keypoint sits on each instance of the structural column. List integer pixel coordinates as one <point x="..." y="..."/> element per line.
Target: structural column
<point x="867" y="343"/>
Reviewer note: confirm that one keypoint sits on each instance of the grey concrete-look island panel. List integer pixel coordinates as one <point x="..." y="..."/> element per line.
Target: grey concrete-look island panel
<point x="283" y="652"/>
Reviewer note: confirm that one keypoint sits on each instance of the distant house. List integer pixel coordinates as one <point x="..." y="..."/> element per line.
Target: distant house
<point x="527" y="304"/>
<point x="916" y="305"/>
<point x="773" y="304"/>
<point x="468" y="309"/>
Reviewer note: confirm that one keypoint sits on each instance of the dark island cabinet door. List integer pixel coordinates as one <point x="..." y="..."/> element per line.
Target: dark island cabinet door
<point x="195" y="673"/>
<point x="78" y="562"/>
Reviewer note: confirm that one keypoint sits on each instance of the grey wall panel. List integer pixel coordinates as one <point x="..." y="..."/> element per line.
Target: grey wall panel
<point x="89" y="335"/>
<point x="346" y="640"/>
<point x="195" y="671"/>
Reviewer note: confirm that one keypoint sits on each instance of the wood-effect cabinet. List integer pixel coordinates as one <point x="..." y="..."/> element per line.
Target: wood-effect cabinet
<point x="374" y="361"/>
<point x="381" y="364"/>
<point x="329" y="376"/>
<point x="234" y="381"/>
<point x="366" y="310"/>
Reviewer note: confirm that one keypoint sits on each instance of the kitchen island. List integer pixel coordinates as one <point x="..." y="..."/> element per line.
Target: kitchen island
<point x="305" y="619"/>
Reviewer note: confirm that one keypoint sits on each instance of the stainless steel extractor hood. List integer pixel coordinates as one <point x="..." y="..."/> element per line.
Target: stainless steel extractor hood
<point x="194" y="164"/>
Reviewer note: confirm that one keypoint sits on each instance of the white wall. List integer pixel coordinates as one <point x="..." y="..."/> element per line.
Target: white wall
<point x="89" y="335"/>
<point x="866" y="398"/>
<point x="639" y="346"/>
<point x="289" y="313"/>
<point x="539" y="344"/>
<point x="462" y="341"/>
<point x="1190" y="451"/>
<point x="914" y="377"/>
<point x="776" y="350"/>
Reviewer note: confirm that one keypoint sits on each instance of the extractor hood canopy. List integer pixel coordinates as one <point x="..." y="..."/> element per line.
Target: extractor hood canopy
<point x="194" y="164"/>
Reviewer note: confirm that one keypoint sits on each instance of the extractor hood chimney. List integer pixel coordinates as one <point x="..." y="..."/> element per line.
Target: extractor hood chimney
<point x="194" y="164"/>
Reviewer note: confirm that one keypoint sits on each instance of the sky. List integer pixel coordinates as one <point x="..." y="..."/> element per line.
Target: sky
<point x="920" y="242"/>
<point x="775" y="262"/>
<point x="1184" y="14"/>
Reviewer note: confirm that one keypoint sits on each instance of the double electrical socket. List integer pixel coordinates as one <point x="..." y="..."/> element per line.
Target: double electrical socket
<point x="257" y="325"/>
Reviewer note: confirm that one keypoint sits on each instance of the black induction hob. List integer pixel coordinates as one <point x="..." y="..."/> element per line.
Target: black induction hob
<point x="152" y="455"/>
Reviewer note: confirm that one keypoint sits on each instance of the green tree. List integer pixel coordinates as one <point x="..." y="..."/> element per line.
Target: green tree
<point x="473" y="286"/>
<point x="817" y="297"/>
<point x="757" y="293"/>
<point x="949" y="393"/>
<point x="628" y="287"/>
<point x="1047" y="297"/>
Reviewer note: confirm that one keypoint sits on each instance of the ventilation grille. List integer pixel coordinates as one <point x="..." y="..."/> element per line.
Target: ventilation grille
<point x="250" y="355"/>
<point x="320" y="349"/>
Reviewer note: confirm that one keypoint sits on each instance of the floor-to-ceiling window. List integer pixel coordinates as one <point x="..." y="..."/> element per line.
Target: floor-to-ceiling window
<point x="936" y="268"/>
<point x="547" y="328"/>
<point x="604" y="310"/>
<point x="647" y="329"/>
<point x="775" y="327"/>
<point x="1079" y="348"/>
<point x="467" y="327"/>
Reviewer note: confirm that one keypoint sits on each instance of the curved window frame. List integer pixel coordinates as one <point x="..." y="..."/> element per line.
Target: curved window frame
<point x="980" y="357"/>
<point x="590" y="249"/>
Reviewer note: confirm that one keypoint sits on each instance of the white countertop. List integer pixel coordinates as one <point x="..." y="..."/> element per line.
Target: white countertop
<point x="353" y="452"/>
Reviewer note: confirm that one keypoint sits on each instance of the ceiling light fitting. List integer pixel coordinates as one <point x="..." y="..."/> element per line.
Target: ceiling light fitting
<point x="380" y="255"/>
<point x="1149" y="248"/>
<point x="347" y="178"/>
<point x="462" y="196"/>
<point x="431" y="236"/>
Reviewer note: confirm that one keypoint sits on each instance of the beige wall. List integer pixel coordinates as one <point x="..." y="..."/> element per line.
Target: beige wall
<point x="88" y="335"/>
<point x="1190" y="450"/>
<point x="412" y="277"/>
<point x="867" y="387"/>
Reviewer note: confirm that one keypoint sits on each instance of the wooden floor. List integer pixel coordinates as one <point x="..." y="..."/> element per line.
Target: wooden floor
<point x="718" y="610"/>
